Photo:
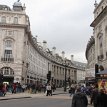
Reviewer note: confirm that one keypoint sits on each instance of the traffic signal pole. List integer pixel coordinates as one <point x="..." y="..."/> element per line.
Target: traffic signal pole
<point x="65" y="79"/>
<point x="1" y="78"/>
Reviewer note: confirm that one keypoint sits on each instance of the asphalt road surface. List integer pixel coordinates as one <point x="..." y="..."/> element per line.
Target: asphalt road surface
<point x="36" y="102"/>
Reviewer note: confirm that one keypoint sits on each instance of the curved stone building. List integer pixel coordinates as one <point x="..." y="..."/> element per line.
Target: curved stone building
<point x="100" y="33"/>
<point x="90" y="53"/>
<point x="23" y="59"/>
<point x="90" y="56"/>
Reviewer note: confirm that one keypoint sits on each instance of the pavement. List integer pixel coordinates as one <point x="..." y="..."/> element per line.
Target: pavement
<point x="58" y="94"/>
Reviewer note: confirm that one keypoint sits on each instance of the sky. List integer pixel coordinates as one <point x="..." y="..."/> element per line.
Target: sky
<point x="64" y="24"/>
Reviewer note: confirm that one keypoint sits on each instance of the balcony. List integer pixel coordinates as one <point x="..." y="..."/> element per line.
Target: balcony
<point x="7" y="60"/>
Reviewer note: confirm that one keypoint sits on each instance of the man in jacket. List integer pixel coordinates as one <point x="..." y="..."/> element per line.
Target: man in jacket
<point x="79" y="99"/>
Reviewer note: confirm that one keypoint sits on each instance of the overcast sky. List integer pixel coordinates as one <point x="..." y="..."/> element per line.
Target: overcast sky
<point x="64" y="24"/>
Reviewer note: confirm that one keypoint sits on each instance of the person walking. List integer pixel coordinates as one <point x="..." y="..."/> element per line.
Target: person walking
<point x="72" y="90"/>
<point x="101" y="100"/>
<point x="94" y="97"/>
<point x="79" y="99"/>
<point x="49" y="90"/>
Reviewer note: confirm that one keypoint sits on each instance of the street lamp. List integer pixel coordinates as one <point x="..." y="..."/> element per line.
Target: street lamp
<point x="1" y="78"/>
<point x="65" y="79"/>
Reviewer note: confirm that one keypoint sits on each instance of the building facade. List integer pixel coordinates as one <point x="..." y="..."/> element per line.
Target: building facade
<point x="90" y="53"/>
<point x="96" y="51"/>
<point x="90" y="56"/>
<point x="100" y="33"/>
<point x="22" y="58"/>
<point x="81" y="71"/>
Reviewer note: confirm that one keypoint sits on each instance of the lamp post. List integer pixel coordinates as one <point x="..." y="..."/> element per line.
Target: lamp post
<point x="65" y="79"/>
<point x="1" y="78"/>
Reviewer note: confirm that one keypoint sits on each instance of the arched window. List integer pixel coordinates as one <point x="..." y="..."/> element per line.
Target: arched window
<point x="7" y="71"/>
<point x="15" y="20"/>
<point x="3" y="19"/>
<point x="100" y="44"/>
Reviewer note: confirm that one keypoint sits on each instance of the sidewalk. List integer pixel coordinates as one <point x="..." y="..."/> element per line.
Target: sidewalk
<point x="10" y="96"/>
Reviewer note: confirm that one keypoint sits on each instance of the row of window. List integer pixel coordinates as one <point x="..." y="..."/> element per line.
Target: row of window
<point x="3" y="20"/>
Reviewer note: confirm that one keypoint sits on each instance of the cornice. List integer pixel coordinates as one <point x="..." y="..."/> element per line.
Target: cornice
<point x="13" y="12"/>
<point x="13" y="25"/>
<point x="98" y="5"/>
<point x="99" y="17"/>
<point x="91" y="42"/>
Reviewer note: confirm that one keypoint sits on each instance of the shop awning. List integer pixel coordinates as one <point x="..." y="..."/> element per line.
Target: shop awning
<point x="103" y="72"/>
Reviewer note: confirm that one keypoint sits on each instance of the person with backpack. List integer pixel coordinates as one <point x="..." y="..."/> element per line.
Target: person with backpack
<point x="79" y="99"/>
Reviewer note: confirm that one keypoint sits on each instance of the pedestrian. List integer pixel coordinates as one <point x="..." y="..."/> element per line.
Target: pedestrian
<point x="79" y="99"/>
<point x="72" y="90"/>
<point x="49" y="90"/>
<point x="101" y="100"/>
<point x="94" y="96"/>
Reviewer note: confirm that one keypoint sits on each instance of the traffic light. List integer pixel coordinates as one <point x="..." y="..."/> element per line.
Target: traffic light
<point x="49" y="75"/>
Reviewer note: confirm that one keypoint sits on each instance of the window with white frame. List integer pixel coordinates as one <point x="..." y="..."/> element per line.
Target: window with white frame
<point x="3" y="19"/>
<point x="8" y="50"/>
<point x="8" y="44"/>
<point x="101" y="44"/>
<point x="15" y="20"/>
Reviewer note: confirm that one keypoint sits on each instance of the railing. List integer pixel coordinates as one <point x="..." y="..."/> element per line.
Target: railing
<point x="7" y="60"/>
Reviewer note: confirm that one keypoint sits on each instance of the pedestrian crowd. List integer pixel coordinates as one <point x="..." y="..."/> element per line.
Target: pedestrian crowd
<point x="30" y="88"/>
<point x="81" y="94"/>
<point x="12" y="88"/>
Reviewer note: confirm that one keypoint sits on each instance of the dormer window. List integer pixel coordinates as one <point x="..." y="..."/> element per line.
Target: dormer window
<point x="5" y="8"/>
<point x="15" y="20"/>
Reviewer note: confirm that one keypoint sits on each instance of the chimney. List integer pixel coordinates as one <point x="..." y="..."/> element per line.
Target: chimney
<point x="54" y="50"/>
<point x="63" y="54"/>
<point x="95" y="4"/>
<point x="44" y="45"/>
<point x="72" y="57"/>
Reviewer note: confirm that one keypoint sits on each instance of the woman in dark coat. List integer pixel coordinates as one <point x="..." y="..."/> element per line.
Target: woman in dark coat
<point x="94" y="95"/>
<point x="79" y="99"/>
<point x="101" y="100"/>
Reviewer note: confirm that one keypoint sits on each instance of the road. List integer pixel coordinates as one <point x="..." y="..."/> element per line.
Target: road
<point x="59" y="99"/>
<point x="36" y="102"/>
